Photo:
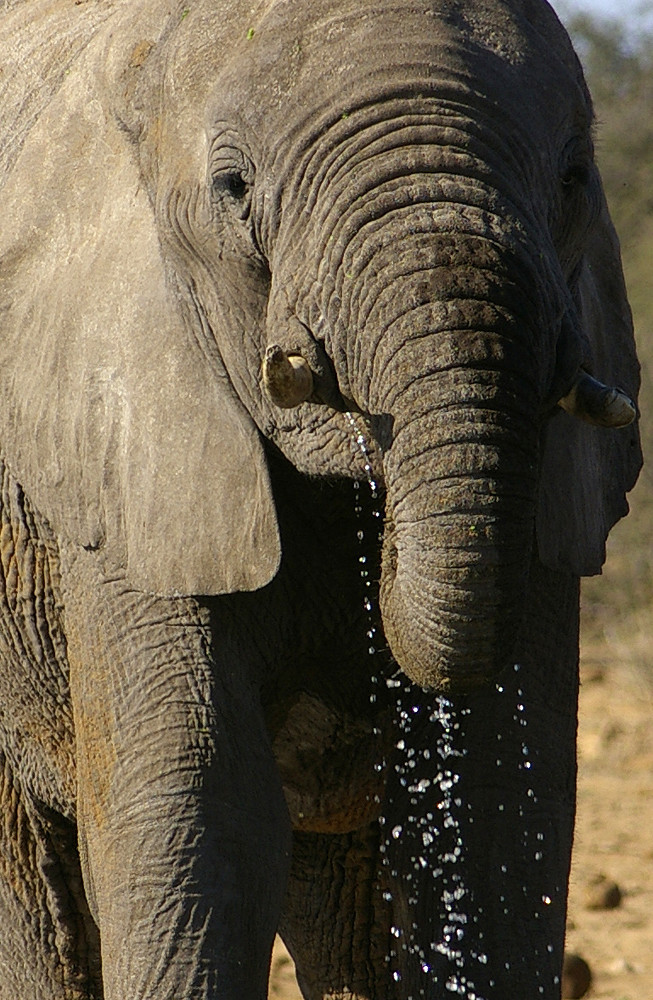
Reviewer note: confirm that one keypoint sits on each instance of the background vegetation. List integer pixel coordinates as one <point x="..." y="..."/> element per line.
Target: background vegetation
<point x="618" y="61"/>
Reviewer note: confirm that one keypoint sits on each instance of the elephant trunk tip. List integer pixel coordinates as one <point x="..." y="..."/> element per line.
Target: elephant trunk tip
<point x="448" y="674"/>
<point x="446" y="649"/>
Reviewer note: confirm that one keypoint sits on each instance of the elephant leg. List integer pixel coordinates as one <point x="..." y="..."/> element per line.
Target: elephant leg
<point x="49" y="945"/>
<point x="336" y="923"/>
<point x="183" y="828"/>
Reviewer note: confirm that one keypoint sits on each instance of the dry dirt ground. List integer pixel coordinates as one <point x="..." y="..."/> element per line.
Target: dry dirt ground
<point x="614" y="836"/>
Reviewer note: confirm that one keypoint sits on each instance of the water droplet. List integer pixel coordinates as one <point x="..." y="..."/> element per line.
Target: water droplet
<point x="547" y="900"/>
<point x="397" y="831"/>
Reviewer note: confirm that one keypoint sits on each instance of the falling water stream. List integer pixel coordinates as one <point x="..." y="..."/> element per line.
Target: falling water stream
<point x="429" y="846"/>
<point x="444" y="866"/>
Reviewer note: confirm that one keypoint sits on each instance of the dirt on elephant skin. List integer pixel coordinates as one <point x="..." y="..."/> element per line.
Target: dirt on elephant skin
<point x="611" y="894"/>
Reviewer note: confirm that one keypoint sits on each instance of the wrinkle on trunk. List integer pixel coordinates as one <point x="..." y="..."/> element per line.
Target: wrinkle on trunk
<point x="461" y="373"/>
<point x="461" y="481"/>
<point x="440" y="313"/>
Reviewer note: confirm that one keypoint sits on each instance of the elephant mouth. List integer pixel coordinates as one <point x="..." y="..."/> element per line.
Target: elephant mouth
<point x="345" y="789"/>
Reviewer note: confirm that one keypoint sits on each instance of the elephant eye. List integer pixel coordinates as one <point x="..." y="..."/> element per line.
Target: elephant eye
<point x="576" y="175"/>
<point x="231" y="183"/>
<point x="232" y="188"/>
<point x="231" y="175"/>
<point x="576" y="166"/>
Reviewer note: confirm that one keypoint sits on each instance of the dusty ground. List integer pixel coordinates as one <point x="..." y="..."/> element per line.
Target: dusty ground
<point x="614" y="831"/>
<point x="614" y="835"/>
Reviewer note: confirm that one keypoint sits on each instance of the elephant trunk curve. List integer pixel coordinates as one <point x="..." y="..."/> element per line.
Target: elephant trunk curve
<point x="461" y="478"/>
<point x="457" y="548"/>
<point x="441" y="319"/>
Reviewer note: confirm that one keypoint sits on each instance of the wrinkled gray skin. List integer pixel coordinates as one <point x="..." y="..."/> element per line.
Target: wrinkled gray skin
<point x="404" y="195"/>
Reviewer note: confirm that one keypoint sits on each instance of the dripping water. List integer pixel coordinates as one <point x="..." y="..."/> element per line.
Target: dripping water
<point x="446" y="947"/>
<point x="368" y="541"/>
<point x="533" y="838"/>
<point x="429" y="778"/>
<point x="436" y="828"/>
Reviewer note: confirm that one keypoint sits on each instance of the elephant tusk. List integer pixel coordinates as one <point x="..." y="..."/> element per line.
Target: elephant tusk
<point x="598" y="404"/>
<point x="287" y="378"/>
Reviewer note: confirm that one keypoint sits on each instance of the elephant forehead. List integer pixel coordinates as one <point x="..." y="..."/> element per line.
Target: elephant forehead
<point x="348" y="53"/>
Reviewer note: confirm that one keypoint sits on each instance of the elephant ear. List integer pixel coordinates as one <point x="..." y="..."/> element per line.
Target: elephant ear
<point x="112" y="419"/>
<point x="587" y="470"/>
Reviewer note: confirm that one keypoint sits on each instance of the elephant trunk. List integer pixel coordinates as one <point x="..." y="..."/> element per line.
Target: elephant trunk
<point x="457" y="546"/>
<point x="463" y="388"/>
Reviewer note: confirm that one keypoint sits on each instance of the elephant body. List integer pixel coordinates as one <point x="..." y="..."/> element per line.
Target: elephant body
<point x="310" y="315"/>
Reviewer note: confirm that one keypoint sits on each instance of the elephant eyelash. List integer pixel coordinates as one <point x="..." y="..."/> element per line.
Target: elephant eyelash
<point x="231" y="173"/>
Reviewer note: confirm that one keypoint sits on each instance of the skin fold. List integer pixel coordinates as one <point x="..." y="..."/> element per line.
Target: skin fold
<point x="317" y="378"/>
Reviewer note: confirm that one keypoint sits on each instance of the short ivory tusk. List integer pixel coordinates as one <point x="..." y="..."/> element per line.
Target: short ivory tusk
<point x="286" y="378"/>
<point x="598" y="404"/>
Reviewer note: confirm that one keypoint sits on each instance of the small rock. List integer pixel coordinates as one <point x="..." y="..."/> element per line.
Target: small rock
<point x="576" y="977"/>
<point x="602" y="894"/>
<point x="622" y="965"/>
<point x="592" y="673"/>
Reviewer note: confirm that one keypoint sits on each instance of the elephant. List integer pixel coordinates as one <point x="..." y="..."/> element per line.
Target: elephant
<point x="318" y="387"/>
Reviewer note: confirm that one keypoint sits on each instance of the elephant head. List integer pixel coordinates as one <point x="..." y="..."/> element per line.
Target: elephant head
<point x="241" y="225"/>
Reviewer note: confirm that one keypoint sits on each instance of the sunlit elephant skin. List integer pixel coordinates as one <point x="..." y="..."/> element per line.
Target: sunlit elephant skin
<point x="252" y="257"/>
